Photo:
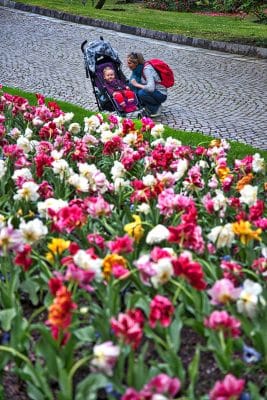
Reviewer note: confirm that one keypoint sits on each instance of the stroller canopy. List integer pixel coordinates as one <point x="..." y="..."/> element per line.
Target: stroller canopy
<point x="96" y="49"/>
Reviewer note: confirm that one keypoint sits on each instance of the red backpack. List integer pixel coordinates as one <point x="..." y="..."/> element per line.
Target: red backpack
<point x="164" y="71"/>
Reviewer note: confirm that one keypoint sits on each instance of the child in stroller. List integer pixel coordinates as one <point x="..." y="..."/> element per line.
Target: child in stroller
<point x="121" y="93"/>
<point x="98" y="55"/>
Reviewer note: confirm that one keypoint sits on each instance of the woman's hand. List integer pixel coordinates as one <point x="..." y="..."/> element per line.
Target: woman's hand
<point x="136" y="84"/>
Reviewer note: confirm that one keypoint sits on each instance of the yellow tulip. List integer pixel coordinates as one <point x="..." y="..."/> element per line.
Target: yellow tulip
<point x="56" y="247"/>
<point x="243" y="229"/>
<point x="134" y="229"/>
<point x="109" y="261"/>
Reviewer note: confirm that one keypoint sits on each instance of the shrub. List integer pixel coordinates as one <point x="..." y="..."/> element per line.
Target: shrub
<point x="255" y="7"/>
<point x="248" y="6"/>
<point x="172" y="5"/>
<point x="229" y="5"/>
<point x="221" y="5"/>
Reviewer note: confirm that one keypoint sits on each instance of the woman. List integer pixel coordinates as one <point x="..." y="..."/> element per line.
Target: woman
<point x="145" y="80"/>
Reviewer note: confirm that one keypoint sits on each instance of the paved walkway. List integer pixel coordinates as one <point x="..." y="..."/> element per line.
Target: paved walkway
<point x="223" y="95"/>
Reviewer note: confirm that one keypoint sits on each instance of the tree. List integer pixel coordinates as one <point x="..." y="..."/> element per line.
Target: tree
<point x="100" y="4"/>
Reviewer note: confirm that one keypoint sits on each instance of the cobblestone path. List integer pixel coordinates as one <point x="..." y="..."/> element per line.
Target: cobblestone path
<point x="219" y="94"/>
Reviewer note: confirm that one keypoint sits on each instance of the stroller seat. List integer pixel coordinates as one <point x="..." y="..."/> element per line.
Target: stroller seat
<point x="100" y="84"/>
<point x="99" y="55"/>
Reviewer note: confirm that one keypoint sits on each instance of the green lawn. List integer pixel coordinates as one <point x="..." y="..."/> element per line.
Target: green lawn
<point x="222" y="28"/>
<point x="238" y="150"/>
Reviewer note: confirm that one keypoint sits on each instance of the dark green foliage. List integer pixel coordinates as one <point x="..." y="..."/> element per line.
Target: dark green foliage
<point x="172" y="5"/>
<point x="254" y="7"/>
<point x="230" y="6"/>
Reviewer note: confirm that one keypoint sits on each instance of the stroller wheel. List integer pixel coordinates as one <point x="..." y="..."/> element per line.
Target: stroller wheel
<point x="142" y="113"/>
<point x="135" y="114"/>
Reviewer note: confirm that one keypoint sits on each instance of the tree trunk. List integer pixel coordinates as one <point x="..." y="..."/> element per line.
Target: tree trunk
<point x="100" y="4"/>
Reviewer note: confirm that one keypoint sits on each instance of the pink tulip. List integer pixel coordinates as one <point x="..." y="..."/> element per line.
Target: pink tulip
<point x="129" y="327"/>
<point x="163" y="384"/>
<point x="223" y="291"/>
<point x="222" y="321"/>
<point x="161" y="309"/>
<point x="228" y="389"/>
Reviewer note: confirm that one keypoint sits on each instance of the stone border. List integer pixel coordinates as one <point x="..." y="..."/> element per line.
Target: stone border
<point x="235" y="48"/>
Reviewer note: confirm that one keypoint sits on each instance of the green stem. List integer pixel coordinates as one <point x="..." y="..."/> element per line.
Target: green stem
<point x="107" y="227"/>
<point x="5" y="272"/>
<point x="130" y="372"/>
<point x="249" y="272"/>
<point x="179" y="285"/>
<point x="222" y="341"/>
<point x="176" y="294"/>
<point x="73" y="288"/>
<point x="36" y="312"/>
<point x="44" y="266"/>
<point x="147" y="224"/>
<point x="208" y="266"/>
<point x="16" y="353"/>
<point x="176" y="218"/>
<point x="76" y="366"/>
<point x="159" y="340"/>
<point x="117" y="281"/>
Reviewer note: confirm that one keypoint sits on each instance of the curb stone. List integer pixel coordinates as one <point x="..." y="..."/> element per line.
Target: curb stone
<point x="233" y="48"/>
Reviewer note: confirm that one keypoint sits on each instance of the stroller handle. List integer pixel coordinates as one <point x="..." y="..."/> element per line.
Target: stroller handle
<point x="82" y="45"/>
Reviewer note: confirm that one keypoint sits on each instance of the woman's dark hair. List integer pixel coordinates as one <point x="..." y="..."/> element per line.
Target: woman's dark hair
<point x="136" y="58"/>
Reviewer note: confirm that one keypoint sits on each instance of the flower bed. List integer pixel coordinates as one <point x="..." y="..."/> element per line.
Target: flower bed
<point x="116" y="243"/>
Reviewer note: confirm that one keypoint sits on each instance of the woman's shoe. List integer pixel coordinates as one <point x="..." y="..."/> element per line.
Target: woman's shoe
<point x="157" y="113"/>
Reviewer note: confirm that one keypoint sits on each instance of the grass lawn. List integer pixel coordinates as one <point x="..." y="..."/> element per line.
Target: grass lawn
<point x="221" y="28"/>
<point x="238" y="150"/>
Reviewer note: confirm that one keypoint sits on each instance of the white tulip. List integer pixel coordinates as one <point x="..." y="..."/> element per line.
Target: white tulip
<point x="222" y="236"/>
<point x="157" y="234"/>
<point x="249" y="195"/>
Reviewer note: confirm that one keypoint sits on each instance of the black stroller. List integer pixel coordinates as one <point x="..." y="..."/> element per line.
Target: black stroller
<point x="97" y="56"/>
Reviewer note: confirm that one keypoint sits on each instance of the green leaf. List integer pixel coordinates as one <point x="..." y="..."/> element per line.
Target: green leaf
<point x="20" y="337"/>
<point x="46" y="335"/>
<point x="175" y="333"/>
<point x="137" y="300"/>
<point x="175" y="365"/>
<point x="32" y="288"/>
<point x="141" y="369"/>
<point x="4" y="359"/>
<point x="4" y="199"/>
<point x="67" y="352"/>
<point x="34" y="393"/>
<point x="143" y="304"/>
<point x="45" y="351"/>
<point x="193" y="371"/>
<point x="87" y="389"/>
<point x="7" y="299"/>
<point x="15" y="281"/>
<point x="30" y="374"/>
<point x="254" y="391"/>
<point x="6" y="317"/>
<point x="39" y="380"/>
<point x="85" y="335"/>
<point x="64" y="384"/>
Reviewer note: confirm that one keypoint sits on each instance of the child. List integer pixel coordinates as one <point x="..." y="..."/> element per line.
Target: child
<point x="119" y="91"/>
